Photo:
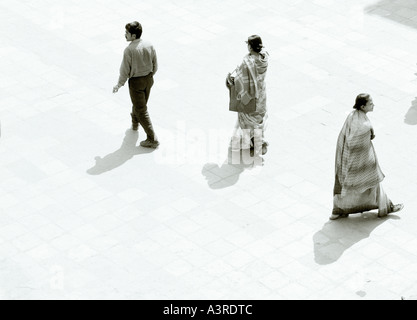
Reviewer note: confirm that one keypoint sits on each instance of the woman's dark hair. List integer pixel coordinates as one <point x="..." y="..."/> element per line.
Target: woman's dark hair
<point x="135" y="28"/>
<point x="361" y="100"/>
<point x="256" y="43"/>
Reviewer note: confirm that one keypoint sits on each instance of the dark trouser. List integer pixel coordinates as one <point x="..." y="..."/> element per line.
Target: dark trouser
<point x="140" y="89"/>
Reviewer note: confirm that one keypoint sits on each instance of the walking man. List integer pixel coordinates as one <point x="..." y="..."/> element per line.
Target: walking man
<point x="139" y="66"/>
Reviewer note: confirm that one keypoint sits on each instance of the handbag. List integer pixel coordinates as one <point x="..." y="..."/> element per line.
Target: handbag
<point x="236" y="105"/>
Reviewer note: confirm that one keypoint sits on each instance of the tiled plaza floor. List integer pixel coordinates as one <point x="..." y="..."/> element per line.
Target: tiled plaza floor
<point x="86" y="214"/>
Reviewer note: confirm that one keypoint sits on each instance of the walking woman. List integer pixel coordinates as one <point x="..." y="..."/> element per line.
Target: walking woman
<point x="250" y="90"/>
<point x="358" y="174"/>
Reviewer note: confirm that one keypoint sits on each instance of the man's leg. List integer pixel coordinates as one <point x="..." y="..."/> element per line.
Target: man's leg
<point x="143" y="112"/>
<point x="135" y="122"/>
<point x="149" y="85"/>
<point x="139" y="93"/>
<point x="135" y="91"/>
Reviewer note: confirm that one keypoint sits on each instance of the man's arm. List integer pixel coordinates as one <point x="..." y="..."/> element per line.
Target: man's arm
<point x="154" y="61"/>
<point x="124" y="70"/>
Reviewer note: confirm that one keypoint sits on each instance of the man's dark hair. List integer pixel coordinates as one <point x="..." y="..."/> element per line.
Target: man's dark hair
<point x="135" y="28"/>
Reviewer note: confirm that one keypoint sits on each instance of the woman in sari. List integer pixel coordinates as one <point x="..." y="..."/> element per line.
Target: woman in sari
<point x="358" y="174"/>
<point x="250" y="89"/>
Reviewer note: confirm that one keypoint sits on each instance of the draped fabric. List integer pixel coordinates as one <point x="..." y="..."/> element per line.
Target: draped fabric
<point x="250" y="84"/>
<point x="358" y="174"/>
<point x="246" y="80"/>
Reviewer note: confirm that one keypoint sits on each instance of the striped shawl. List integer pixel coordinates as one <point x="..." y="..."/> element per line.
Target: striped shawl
<point x="246" y="81"/>
<point x="357" y="167"/>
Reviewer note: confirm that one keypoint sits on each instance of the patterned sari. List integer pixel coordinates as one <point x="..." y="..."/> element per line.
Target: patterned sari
<point x="250" y="84"/>
<point x="358" y="174"/>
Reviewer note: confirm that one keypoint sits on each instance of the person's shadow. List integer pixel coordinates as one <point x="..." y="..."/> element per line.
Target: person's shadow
<point x="336" y="237"/>
<point x="229" y="173"/>
<point x="116" y="159"/>
<point x="411" y="116"/>
<point x="388" y="9"/>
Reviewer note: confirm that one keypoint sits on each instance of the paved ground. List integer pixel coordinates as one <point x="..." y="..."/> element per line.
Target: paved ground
<point x="86" y="214"/>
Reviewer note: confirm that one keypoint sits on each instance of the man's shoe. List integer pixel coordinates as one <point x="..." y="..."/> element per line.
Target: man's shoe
<point x="150" y="144"/>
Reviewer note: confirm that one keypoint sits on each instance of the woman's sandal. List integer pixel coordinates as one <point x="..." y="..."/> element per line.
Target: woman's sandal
<point x="397" y="208"/>
<point x="334" y="217"/>
<point x="394" y="209"/>
<point x="265" y="148"/>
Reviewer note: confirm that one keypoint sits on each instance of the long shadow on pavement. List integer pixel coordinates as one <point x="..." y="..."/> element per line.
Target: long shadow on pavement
<point x="229" y="173"/>
<point x="336" y="237"/>
<point x="411" y="116"/>
<point x="400" y="11"/>
<point x="116" y="159"/>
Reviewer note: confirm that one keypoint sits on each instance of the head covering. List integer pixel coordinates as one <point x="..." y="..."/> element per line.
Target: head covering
<point x="255" y="42"/>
